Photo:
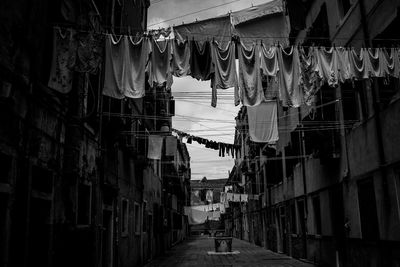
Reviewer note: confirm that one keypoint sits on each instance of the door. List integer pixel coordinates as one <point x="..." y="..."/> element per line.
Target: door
<point x="368" y="211"/>
<point x="303" y="230"/>
<point x="107" y="239"/>
<point x="338" y="221"/>
<point x="39" y="232"/>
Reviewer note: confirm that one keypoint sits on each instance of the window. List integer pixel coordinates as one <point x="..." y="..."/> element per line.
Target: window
<point x="293" y="220"/>
<point x="368" y="211"/>
<point x="5" y="167"/>
<point x="397" y="188"/>
<point x="137" y="218"/>
<point x="389" y="90"/>
<point x="300" y="210"/>
<point x="317" y="214"/>
<point x="125" y="217"/>
<point x="177" y="221"/>
<point x="144" y="216"/>
<point x="84" y="204"/>
<point x="42" y="180"/>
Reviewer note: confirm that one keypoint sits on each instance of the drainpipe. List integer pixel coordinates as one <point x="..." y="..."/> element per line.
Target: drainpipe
<point x="376" y="102"/>
<point x="303" y="169"/>
<point x="264" y="204"/>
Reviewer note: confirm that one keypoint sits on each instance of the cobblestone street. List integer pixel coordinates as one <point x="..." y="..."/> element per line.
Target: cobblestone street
<point x="194" y="252"/>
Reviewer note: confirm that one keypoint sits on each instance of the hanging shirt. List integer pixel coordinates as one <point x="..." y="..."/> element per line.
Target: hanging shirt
<point x="289" y="77"/>
<point x="311" y="81"/>
<point x="357" y="65"/>
<point x="224" y="67"/>
<point x="181" y="58"/>
<point x="115" y="61"/>
<point x="64" y="47"/>
<point x="263" y="122"/>
<point x="375" y="64"/>
<point x="135" y="77"/>
<point x="269" y="60"/>
<point x="250" y="84"/>
<point x="200" y="60"/>
<point x="159" y="67"/>
<point x="343" y="64"/>
<point x="392" y="61"/>
<point x="327" y="65"/>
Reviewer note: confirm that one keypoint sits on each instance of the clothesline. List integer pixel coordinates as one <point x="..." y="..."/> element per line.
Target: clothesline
<point x="255" y="39"/>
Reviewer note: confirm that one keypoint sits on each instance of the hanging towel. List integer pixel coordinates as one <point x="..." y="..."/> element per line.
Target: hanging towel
<point x="250" y="84"/>
<point x="159" y="67"/>
<point x="225" y="68"/>
<point x="170" y="145"/>
<point x="289" y="77"/>
<point x="155" y="147"/>
<point x="263" y="123"/>
<point x="200" y="60"/>
<point x="64" y="47"/>
<point x="181" y="58"/>
<point x="229" y="196"/>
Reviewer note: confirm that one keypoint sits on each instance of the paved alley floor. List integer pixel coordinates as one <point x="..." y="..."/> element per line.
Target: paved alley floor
<point x="193" y="252"/>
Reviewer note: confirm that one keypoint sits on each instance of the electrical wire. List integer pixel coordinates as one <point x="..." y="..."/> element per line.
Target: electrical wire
<point x="195" y="12"/>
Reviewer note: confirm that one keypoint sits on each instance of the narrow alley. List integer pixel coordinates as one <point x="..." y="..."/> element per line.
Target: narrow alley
<point x="199" y="251"/>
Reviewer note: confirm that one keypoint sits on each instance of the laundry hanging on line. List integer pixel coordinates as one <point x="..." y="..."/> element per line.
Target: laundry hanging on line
<point x="299" y="72"/>
<point x="224" y="148"/>
<point x="263" y="122"/>
<point x="125" y="64"/>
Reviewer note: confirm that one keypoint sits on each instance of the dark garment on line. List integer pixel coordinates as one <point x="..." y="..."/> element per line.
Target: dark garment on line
<point x="200" y="60"/>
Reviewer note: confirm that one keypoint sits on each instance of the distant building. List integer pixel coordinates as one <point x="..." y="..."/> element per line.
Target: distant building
<point x="206" y="191"/>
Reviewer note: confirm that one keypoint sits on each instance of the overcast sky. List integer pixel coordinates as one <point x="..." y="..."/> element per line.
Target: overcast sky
<point x="195" y="115"/>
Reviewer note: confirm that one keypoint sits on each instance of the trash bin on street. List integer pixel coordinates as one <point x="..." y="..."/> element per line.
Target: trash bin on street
<point x="223" y="244"/>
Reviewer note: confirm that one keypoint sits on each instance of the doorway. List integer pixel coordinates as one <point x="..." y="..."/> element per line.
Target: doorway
<point x="107" y="239"/>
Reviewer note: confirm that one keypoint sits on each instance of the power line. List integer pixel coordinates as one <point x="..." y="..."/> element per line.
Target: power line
<point x="195" y="12"/>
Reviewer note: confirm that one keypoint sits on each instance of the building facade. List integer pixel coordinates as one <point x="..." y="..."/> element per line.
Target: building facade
<point x="76" y="186"/>
<point x="328" y="190"/>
